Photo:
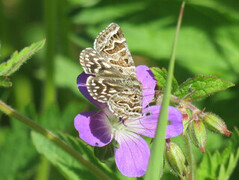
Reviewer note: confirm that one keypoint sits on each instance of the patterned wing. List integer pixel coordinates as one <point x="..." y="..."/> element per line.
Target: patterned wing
<point x="93" y="63"/>
<point x="123" y="95"/>
<point x="114" y="81"/>
<point x="97" y="89"/>
<point x="126" y="104"/>
<point x="102" y="88"/>
<point x="111" y="45"/>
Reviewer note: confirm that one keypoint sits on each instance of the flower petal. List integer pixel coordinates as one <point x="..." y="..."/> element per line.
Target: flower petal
<point x="146" y="77"/>
<point x="94" y="128"/>
<point x="81" y="84"/>
<point x="176" y="127"/>
<point x="147" y="124"/>
<point x="133" y="153"/>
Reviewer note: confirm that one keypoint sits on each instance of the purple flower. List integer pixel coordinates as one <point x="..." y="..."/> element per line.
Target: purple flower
<point x="99" y="128"/>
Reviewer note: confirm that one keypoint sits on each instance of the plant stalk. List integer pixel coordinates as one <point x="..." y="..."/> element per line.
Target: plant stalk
<point x="155" y="167"/>
<point x="189" y="155"/>
<point x="50" y="17"/>
<point x="52" y="137"/>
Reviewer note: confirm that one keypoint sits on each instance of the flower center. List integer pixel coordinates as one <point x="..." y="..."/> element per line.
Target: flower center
<point x="116" y="124"/>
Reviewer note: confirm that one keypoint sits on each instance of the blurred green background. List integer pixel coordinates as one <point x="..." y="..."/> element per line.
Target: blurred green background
<point x="45" y="90"/>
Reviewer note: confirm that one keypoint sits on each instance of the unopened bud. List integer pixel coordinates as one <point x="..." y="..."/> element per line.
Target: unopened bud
<point x="187" y="116"/>
<point x="198" y="135"/>
<point x="175" y="159"/>
<point x="216" y="124"/>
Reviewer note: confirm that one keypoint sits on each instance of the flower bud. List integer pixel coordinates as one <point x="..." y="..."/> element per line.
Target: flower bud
<point x="216" y="124"/>
<point x="187" y="116"/>
<point x="197" y="133"/>
<point x="175" y="159"/>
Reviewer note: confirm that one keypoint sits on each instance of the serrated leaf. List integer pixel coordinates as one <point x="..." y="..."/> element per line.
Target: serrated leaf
<point x="70" y="168"/>
<point x="161" y="76"/>
<point x="220" y="165"/>
<point x="201" y="86"/>
<point x="80" y="146"/>
<point x="106" y="152"/>
<point x="5" y="82"/>
<point x="18" y="58"/>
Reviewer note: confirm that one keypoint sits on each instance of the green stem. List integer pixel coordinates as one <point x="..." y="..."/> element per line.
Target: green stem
<point x="156" y="160"/>
<point x="43" y="169"/>
<point x="52" y="137"/>
<point x="50" y="18"/>
<point x="189" y="155"/>
<point x="49" y="91"/>
<point x="63" y="32"/>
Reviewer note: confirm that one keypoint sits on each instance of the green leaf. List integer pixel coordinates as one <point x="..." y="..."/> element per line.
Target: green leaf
<point x="109" y="11"/>
<point x="220" y="165"/>
<point x="106" y="152"/>
<point x="205" y="47"/>
<point x="227" y="11"/>
<point x="5" y="82"/>
<point x="161" y="76"/>
<point x="83" y="3"/>
<point x="201" y="86"/>
<point x="17" y="153"/>
<point x="66" y="72"/>
<point x="60" y="120"/>
<point x="18" y="58"/>
<point x="70" y="168"/>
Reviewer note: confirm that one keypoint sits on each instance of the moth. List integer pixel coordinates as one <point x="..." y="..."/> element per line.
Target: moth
<point x="113" y="79"/>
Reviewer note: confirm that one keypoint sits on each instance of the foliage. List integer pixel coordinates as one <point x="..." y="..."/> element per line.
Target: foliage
<point x="62" y="160"/>
<point x="161" y="76"/>
<point x="221" y="165"/>
<point x="16" y="60"/>
<point x="197" y="87"/>
<point x="207" y="51"/>
<point x="201" y="86"/>
<point x="16" y="157"/>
